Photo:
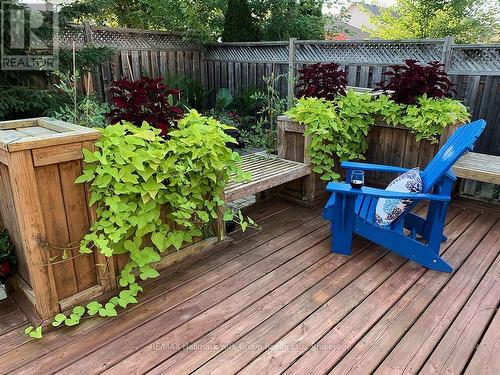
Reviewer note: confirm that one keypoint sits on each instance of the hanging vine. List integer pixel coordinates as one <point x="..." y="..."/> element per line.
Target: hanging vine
<point x="152" y="194"/>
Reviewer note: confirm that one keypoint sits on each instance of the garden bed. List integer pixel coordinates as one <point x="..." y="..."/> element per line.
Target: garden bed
<point x="386" y="145"/>
<point x="390" y="145"/>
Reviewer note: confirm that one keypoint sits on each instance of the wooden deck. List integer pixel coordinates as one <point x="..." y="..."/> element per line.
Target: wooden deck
<point x="277" y="301"/>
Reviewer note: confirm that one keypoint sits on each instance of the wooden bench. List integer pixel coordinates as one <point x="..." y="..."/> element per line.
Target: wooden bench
<point x="478" y="167"/>
<point x="268" y="171"/>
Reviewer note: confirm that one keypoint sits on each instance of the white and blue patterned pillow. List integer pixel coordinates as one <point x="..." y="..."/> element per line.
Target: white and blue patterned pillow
<point x="388" y="210"/>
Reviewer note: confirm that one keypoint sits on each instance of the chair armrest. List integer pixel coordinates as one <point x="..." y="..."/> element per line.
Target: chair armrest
<point x="342" y="188"/>
<point x="372" y="167"/>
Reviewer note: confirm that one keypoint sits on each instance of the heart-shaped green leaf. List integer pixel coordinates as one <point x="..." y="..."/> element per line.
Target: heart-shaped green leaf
<point x="58" y="320"/>
<point x="79" y="310"/>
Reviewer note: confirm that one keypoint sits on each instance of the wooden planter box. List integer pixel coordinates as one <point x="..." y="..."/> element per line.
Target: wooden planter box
<point x="386" y="145"/>
<point x="398" y="146"/>
<point x="45" y="213"/>
<point x="292" y="145"/>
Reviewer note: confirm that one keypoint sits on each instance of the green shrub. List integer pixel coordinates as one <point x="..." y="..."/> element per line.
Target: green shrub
<point x="84" y="110"/>
<point x="25" y="102"/>
<point x="339" y="128"/>
<point x="427" y="118"/>
<point x="239" y="24"/>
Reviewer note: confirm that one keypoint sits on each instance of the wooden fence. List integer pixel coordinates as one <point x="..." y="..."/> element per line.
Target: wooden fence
<point x="138" y="53"/>
<point x="475" y="69"/>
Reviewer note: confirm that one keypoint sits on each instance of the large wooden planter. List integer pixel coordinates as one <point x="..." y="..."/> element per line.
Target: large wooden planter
<point x="386" y="145"/>
<point x="47" y="215"/>
<point x="292" y="145"/>
<point x="398" y="146"/>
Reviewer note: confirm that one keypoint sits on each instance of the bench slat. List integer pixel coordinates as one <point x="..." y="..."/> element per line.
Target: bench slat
<point x="478" y="167"/>
<point x="267" y="171"/>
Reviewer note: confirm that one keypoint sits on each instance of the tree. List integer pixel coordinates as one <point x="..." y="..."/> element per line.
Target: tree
<point x="201" y="20"/>
<point x="238" y="23"/>
<point x="469" y="21"/>
<point x="283" y="19"/>
<point x="204" y="21"/>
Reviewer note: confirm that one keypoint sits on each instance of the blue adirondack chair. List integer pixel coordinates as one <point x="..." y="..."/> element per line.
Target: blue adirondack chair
<point x="352" y="210"/>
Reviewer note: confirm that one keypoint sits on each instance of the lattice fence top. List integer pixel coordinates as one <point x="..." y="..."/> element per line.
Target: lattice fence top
<point x="477" y="59"/>
<point x="68" y="35"/>
<point x="351" y="52"/>
<point x="251" y="52"/>
<point x="124" y="39"/>
<point x="368" y="52"/>
<point x="483" y="59"/>
<point x="466" y="59"/>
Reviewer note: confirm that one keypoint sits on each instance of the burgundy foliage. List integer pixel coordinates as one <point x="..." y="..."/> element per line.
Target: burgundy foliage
<point x="412" y="80"/>
<point x="321" y="81"/>
<point x="146" y="99"/>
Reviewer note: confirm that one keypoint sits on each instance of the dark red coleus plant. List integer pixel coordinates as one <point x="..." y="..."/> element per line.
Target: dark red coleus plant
<point x="321" y="81"/>
<point x="411" y="80"/>
<point x="147" y="99"/>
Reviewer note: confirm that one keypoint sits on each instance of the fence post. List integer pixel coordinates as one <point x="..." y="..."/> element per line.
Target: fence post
<point x="87" y="32"/>
<point x="95" y="81"/>
<point x="203" y="73"/>
<point x="291" y="72"/>
<point x="447" y="53"/>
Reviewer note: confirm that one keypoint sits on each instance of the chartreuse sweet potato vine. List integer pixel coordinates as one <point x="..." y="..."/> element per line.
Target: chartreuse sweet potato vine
<point x="140" y="183"/>
<point x="339" y="128"/>
<point x="427" y="118"/>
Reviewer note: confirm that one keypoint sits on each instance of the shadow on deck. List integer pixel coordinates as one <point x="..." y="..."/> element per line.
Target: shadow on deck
<point x="277" y="301"/>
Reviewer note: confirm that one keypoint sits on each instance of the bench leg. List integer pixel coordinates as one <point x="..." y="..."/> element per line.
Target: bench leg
<point x="309" y="187"/>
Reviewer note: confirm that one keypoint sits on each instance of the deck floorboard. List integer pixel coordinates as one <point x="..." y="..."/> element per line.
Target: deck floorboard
<point x="277" y="301"/>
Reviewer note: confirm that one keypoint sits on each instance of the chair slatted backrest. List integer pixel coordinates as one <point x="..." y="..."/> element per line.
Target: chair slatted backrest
<point x="461" y="141"/>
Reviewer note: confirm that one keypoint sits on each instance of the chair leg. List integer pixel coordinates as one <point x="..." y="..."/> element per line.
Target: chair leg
<point x="343" y="224"/>
<point x="424" y="254"/>
<point x="436" y="220"/>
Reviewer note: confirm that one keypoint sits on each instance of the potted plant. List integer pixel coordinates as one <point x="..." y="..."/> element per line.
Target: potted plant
<point x="7" y="262"/>
<point x="404" y="124"/>
<point x="414" y="116"/>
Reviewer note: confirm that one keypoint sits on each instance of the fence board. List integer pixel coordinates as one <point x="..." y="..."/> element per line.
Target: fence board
<point x="196" y="65"/>
<point x="363" y="76"/>
<point x="252" y="75"/>
<point x="231" y="76"/>
<point x="180" y="64"/>
<point x="217" y="78"/>
<point x="223" y="75"/>
<point x="351" y="75"/>
<point x="211" y="79"/>
<point x="237" y="77"/>
<point x="126" y="64"/>
<point x="145" y="66"/>
<point x="171" y="63"/>
<point x="155" y="72"/>
<point x="163" y="63"/>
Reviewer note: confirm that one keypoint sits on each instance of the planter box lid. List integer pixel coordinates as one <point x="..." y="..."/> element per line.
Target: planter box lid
<point x="26" y="134"/>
